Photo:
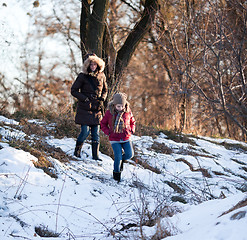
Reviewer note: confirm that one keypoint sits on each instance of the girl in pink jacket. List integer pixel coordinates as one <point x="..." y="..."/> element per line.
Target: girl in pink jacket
<point x="119" y="124"/>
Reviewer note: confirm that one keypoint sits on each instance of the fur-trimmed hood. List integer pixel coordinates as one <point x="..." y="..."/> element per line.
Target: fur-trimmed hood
<point x="96" y="59"/>
<point x="111" y="107"/>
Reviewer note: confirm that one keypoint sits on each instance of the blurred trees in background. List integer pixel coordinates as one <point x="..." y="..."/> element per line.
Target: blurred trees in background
<point x="186" y="73"/>
<point x="190" y="73"/>
<point x="46" y="60"/>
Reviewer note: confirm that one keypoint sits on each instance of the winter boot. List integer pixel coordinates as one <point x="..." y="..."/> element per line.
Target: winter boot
<point x="78" y="147"/>
<point x="117" y="176"/>
<point x="95" y="151"/>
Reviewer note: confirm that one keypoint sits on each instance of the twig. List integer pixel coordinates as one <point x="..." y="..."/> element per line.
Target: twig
<point x="22" y="183"/>
<point x="59" y="200"/>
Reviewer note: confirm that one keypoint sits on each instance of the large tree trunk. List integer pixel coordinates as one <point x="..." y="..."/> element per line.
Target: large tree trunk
<point x="92" y="27"/>
<point x="97" y="22"/>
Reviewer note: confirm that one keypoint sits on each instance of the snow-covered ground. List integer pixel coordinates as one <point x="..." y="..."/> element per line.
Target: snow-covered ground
<point x="84" y="202"/>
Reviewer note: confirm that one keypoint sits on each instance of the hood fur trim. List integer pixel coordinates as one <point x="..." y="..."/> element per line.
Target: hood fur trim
<point x="96" y="59"/>
<point x="111" y="107"/>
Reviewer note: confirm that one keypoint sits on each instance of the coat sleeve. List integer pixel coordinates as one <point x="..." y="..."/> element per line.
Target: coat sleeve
<point x="104" y="124"/>
<point x="75" y="89"/>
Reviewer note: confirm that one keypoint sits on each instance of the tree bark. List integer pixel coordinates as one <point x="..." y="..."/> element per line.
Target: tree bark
<point x="92" y="26"/>
<point x="135" y="36"/>
<point x="85" y="13"/>
<point x="97" y="21"/>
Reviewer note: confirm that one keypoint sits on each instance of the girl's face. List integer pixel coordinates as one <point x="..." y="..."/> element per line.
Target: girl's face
<point x="119" y="107"/>
<point x="93" y="66"/>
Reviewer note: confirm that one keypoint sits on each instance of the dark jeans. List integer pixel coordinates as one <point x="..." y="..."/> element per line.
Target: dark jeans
<point x="118" y="155"/>
<point x="85" y="130"/>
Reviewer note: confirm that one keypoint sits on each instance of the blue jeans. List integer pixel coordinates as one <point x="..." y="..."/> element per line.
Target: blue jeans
<point x="118" y="155"/>
<point x="85" y="130"/>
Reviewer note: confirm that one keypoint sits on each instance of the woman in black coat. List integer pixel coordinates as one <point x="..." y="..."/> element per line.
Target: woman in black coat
<point x="90" y="88"/>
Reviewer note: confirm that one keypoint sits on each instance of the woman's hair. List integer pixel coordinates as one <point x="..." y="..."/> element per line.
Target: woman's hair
<point x="92" y="58"/>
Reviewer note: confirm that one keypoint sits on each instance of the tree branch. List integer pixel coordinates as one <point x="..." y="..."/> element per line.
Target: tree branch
<point x="136" y="35"/>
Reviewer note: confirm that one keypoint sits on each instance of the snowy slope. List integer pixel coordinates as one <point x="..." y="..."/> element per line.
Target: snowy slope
<point x="84" y="202"/>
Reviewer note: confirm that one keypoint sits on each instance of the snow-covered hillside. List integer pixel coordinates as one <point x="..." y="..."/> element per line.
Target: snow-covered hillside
<point x="187" y="189"/>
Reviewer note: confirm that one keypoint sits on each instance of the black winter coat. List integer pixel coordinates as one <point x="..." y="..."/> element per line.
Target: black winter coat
<point x="90" y="96"/>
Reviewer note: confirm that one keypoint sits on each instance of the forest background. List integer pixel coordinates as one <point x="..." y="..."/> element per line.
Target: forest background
<point x="182" y="63"/>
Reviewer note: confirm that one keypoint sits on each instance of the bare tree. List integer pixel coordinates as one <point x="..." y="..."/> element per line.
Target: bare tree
<point x="93" y="32"/>
<point x="211" y="61"/>
<point x="224" y="64"/>
<point x="190" y="72"/>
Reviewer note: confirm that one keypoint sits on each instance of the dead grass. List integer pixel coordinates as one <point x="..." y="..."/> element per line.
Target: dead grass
<point x="191" y="152"/>
<point x="63" y="121"/>
<point x="178" y="137"/>
<point x="145" y="165"/>
<point x="231" y="146"/>
<point x="240" y="204"/>
<point x="43" y="231"/>
<point x="239" y="162"/>
<point x="105" y="145"/>
<point x="219" y="173"/>
<point x="175" y="187"/>
<point x="42" y="151"/>
<point x="32" y="128"/>
<point x="234" y="146"/>
<point x="65" y="126"/>
<point x="22" y="223"/>
<point x="204" y="171"/>
<point x="179" y="199"/>
<point x="235" y="174"/>
<point x="244" y="168"/>
<point x="142" y="130"/>
<point x="160" y="148"/>
<point x="43" y="159"/>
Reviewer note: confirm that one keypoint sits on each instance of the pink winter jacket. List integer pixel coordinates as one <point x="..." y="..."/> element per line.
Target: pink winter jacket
<point x="107" y="126"/>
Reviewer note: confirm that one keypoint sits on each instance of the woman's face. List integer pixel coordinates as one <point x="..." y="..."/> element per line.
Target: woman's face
<point x="93" y="66"/>
<point x="119" y="107"/>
